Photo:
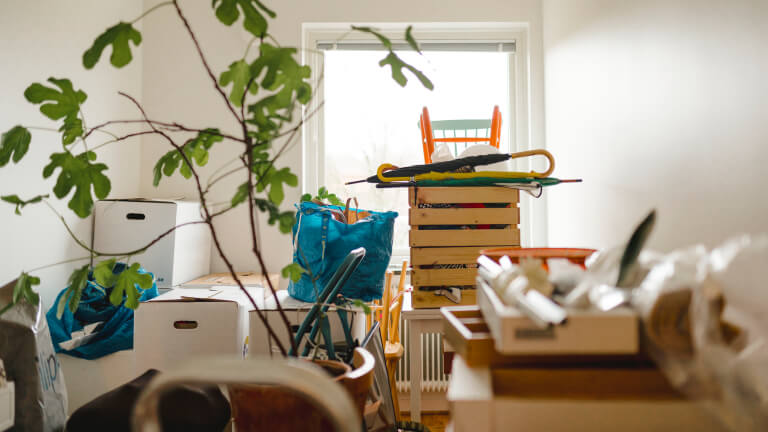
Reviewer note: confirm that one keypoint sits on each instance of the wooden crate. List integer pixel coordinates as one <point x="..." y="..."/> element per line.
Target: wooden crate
<point x="586" y="331"/>
<point x="444" y="257"/>
<point x="467" y="332"/>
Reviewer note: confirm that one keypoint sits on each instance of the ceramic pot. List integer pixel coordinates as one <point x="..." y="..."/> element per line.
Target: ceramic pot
<point x="271" y="407"/>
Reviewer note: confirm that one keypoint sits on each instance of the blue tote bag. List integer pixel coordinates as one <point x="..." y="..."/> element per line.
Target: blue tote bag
<point x="320" y="244"/>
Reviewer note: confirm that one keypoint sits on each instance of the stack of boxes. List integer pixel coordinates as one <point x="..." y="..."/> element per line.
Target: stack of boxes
<point x="449" y="228"/>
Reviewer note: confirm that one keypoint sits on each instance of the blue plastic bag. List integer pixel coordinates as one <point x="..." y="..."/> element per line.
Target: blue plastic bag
<point x="320" y="244"/>
<point x="116" y="331"/>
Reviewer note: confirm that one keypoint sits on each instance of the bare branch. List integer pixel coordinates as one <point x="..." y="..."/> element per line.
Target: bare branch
<point x="205" y="62"/>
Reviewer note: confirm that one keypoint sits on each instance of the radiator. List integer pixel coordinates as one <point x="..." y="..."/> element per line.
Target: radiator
<point x="433" y="377"/>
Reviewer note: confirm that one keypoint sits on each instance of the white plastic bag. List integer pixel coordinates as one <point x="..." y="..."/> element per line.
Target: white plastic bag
<point x="30" y="361"/>
<point x="705" y="318"/>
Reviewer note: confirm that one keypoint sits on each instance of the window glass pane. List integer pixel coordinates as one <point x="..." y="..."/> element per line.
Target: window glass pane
<point x="370" y="119"/>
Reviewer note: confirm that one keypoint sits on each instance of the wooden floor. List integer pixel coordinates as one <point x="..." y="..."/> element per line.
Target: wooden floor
<point x="435" y="421"/>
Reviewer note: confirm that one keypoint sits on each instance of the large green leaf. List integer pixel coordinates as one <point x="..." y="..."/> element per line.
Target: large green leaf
<point x="394" y="61"/>
<point x="77" y="281"/>
<point x="277" y="70"/>
<point x="397" y="65"/>
<point x="118" y="36"/>
<point x="239" y="74"/>
<point x="20" y="203"/>
<point x="23" y="289"/>
<point x="411" y="40"/>
<point x="253" y="21"/>
<point x="269" y="177"/>
<point x="127" y="285"/>
<point x="241" y="195"/>
<point x="103" y="273"/>
<point x="14" y="144"/>
<point x="285" y="220"/>
<point x="293" y="271"/>
<point x="60" y="104"/>
<point x="80" y="173"/>
<point x="195" y="149"/>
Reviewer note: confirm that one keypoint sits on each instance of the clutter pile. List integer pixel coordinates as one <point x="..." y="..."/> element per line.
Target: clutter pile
<point x="660" y="333"/>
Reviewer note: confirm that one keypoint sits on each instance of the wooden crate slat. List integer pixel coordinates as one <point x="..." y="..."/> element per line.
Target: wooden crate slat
<point x="445" y="255"/>
<point x="583" y="383"/>
<point x="428" y="299"/>
<point x="443" y="277"/>
<point x="464" y="216"/>
<point x="475" y="237"/>
<point x="458" y="195"/>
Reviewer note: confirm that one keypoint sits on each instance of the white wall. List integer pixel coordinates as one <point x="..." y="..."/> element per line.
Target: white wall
<point x="40" y="39"/>
<point x="661" y="104"/>
<point x="177" y="88"/>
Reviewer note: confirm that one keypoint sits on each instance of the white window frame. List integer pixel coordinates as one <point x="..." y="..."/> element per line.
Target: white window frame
<point x="534" y="229"/>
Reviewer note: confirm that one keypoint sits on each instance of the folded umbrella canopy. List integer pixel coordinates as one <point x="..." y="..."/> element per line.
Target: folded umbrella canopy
<point x="445" y="170"/>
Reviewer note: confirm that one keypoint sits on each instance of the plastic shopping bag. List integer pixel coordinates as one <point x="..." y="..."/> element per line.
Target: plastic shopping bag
<point x="321" y="242"/>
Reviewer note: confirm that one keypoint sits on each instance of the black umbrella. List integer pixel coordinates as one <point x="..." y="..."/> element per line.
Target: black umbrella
<point x="452" y="165"/>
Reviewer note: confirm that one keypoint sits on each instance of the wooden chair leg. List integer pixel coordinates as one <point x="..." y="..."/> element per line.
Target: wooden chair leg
<point x="391" y="367"/>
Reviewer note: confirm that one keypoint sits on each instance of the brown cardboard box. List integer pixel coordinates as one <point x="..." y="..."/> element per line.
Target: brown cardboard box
<point x="250" y="278"/>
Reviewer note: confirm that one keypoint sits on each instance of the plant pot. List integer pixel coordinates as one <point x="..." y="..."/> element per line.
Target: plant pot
<point x="272" y="407"/>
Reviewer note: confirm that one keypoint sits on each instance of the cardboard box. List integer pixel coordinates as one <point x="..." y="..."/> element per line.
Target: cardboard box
<point x="125" y="225"/>
<point x="296" y="311"/>
<point x="585" y="332"/>
<point x="251" y="278"/>
<point x="187" y="323"/>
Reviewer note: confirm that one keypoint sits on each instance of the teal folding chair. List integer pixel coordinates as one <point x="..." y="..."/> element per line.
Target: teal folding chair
<point x="317" y="318"/>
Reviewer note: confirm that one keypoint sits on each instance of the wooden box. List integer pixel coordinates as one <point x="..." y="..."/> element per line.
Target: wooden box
<point x="583" y="399"/>
<point x="490" y="391"/>
<point x="466" y="331"/>
<point x="449" y="227"/>
<point x="584" y="332"/>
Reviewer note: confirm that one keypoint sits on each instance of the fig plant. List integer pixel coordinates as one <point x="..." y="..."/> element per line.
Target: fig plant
<point x="264" y="95"/>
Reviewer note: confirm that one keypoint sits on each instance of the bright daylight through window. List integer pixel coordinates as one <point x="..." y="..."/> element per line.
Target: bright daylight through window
<point x="366" y="125"/>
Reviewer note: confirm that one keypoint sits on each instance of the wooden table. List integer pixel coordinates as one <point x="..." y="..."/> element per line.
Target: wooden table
<point x="419" y="321"/>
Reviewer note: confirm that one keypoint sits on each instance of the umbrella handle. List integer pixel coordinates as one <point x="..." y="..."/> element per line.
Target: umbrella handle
<point x="544" y="153"/>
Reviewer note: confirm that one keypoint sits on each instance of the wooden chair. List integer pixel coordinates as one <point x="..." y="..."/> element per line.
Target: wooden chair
<point x="458" y="131"/>
<point x="390" y="325"/>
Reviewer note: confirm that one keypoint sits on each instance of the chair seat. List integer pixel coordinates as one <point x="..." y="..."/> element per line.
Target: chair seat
<point x="393" y="350"/>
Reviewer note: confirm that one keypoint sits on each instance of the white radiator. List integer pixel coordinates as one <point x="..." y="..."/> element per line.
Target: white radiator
<point x="433" y="377"/>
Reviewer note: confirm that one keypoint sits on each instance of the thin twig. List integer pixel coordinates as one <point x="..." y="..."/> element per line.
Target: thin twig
<point x="151" y="10"/>
<point x="222" y="177"/>
<point x="173" y="126"/>
<point x="121" y="138"/>
<point x="205" y="62"/>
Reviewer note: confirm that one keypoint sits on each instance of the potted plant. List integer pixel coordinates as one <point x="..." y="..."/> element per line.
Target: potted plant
<point x="263" y="91"/>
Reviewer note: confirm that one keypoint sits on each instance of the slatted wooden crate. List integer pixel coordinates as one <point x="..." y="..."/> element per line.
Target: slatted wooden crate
<point x="449" y="227"/>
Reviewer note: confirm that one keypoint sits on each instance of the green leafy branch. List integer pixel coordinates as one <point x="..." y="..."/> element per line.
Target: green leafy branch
<point x="394" y="61"/>
<point x="322" y="196"/>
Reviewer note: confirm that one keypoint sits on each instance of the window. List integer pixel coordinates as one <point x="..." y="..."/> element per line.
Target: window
<point x="367" y="119"/>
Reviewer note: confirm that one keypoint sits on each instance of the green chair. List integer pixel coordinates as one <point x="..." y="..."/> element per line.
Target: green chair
<point x="456" y="132"/>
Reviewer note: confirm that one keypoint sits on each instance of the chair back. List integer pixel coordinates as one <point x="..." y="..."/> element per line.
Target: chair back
<point x="458" y="134"/>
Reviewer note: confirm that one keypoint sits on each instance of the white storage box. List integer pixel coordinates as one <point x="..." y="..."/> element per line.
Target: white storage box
<point x="296" y="311"/>
<point x="125" y="225"/>
<point x="7" y="406"/>
<point x="187" y="323"/>
<point x="585" y="332"/>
